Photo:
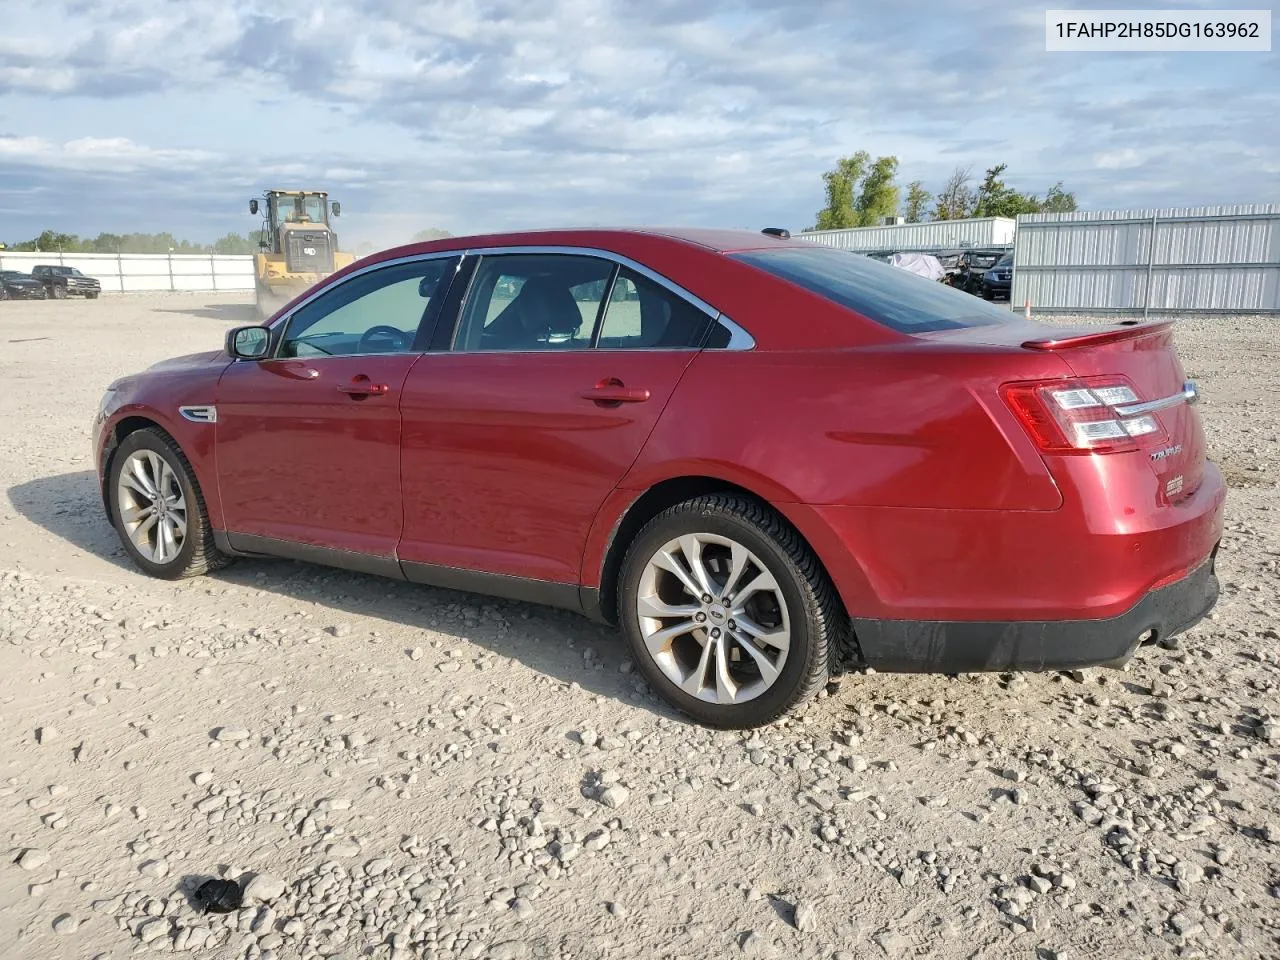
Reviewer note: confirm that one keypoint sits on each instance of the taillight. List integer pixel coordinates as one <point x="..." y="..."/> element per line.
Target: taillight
<point x="1080" y="416"/>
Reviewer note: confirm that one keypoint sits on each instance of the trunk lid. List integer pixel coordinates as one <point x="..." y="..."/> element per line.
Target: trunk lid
<point x="1143" y="354"/>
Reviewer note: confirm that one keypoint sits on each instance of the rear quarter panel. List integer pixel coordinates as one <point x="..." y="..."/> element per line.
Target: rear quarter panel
<point x="906" y="425"/>
<point x="911" y="426"/>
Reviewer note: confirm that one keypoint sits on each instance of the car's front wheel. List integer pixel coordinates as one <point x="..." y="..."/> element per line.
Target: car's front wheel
<point x="59" y="293"/>
<point x="729" y="615"/>
<point x="158" y="509"/>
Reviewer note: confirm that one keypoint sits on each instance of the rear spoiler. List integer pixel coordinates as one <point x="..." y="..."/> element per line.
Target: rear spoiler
<point x="1069" y="340"/>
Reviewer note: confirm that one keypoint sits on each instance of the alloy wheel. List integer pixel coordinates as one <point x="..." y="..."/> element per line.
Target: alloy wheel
<point x="152" y="507"/>
<point x="713" y="618"/>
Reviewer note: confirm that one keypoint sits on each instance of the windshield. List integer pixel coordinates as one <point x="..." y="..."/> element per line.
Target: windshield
<point x="305" y="208"/>
<point x="982" y="261"/>
<point x="14" y="275"/>
<point x="891" y="297"/>
<point x="1006" y="260"/>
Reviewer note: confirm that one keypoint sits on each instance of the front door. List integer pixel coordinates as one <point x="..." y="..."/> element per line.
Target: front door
<point x="560" y="368"/>
<point x="308" y="442"/>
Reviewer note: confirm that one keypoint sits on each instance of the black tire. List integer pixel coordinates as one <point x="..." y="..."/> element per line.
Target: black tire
<point x="198" y="554"/>
<point x="816" y="616"/>
<point x="59" y="293"/>
<point x="91" y="296"/>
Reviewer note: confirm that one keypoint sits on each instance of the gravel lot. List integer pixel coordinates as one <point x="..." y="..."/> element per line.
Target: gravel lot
<point x="412" y="772"/>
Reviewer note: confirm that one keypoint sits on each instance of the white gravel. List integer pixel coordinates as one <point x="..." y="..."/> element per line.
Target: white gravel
<point x="509" y="788"/>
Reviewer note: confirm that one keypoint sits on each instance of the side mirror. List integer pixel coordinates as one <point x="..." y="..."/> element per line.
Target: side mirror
<point x="253" y="207"/>
<point x="248" y="343"/>
<point x="337" y="208"/>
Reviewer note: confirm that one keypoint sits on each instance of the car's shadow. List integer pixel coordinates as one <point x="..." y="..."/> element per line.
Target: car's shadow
<point x="69" y="506"/>
<point x="552" y="642"/>
<point x="237" y="313"/>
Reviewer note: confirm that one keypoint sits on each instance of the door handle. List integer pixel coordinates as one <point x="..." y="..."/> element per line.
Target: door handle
<point x="612" y="391"/>
<point x="361" y="386"/>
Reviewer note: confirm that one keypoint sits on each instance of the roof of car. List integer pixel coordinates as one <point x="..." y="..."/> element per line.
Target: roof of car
<point x="719" y="240"/>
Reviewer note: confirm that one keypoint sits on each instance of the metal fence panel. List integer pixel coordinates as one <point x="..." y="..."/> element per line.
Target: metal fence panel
<point x="1223" y="259"/>
<point x="921" y="237"/>
<point x="140" y="272"/>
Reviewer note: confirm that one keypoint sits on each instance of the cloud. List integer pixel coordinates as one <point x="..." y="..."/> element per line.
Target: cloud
<point x="1118" y="159"/>
<point x="484" y="114"/>
<point x="105" y="154"/>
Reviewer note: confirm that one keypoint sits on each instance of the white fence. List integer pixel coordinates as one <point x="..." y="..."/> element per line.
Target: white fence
<point x="1222" y="259"/>
<point x="136" y="272"/>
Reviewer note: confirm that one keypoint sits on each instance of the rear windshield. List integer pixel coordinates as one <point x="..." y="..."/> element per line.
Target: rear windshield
<point x="888" y="295"/>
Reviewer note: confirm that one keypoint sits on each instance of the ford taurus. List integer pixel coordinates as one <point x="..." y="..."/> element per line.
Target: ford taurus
<point x="746" y="451"/>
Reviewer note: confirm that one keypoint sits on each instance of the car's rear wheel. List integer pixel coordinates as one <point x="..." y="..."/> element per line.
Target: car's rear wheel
<point x="730" y="617"/>
<point x="59" y="293"/>
<point x="158" y="509"/>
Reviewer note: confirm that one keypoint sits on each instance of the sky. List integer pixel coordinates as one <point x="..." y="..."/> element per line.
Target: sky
<point x="480" y="115"/>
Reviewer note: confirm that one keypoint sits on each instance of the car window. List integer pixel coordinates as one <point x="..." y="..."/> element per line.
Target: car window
<point x="1005" y="261"/>
<point x="642" y="314"/>
<point x="887" y="295"/>
<point x="375" y="312"/>
<point x="520" y="302"/>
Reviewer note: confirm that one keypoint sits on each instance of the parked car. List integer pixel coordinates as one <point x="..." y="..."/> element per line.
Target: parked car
<point x="745" y="451"/>
<point x="997" y="281"/>
<point x="970" y="268"/>
<point x="16" y="285"/>
<point x="63" y="281"/>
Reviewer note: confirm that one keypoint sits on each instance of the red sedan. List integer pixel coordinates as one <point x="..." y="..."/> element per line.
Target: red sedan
<point x="744" y="450"/>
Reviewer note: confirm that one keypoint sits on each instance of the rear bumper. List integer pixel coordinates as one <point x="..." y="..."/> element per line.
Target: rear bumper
<point x="965" y="646"/>
<point x="1092" y="559"/>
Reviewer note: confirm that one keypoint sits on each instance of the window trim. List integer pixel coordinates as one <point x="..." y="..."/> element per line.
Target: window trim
<point x="739" y="337"/>
<point x="280" y="326"/>
<point x="480" y="258"/>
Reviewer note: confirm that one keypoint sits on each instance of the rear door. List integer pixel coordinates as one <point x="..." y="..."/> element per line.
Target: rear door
<point x="559" y="370"/>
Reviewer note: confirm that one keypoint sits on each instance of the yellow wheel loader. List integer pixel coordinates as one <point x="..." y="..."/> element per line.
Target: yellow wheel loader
<point x="298" y="246"/>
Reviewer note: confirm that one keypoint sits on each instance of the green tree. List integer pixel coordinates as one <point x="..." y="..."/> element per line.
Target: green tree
<point x="995" y="198"/>
<point x="234" y="243"/>
<point x="1058" y="200"/>
<point x="993" y="195"/>
<point x="841" y="188"/>
<point x="106" y="242"/>
<point x="917" y="201"/>
<point x="431" y="233"/>
<point x="878" y="196"/>
<point x="53" y="241"/>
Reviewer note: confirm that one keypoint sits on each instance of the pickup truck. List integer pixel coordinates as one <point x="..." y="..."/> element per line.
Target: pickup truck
<point x="66" y="282"/>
